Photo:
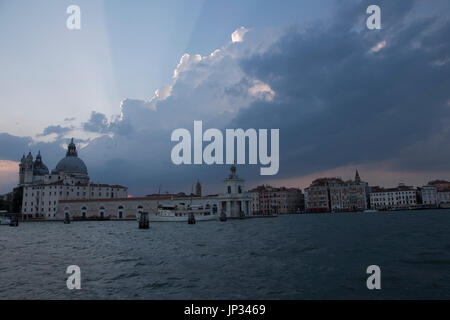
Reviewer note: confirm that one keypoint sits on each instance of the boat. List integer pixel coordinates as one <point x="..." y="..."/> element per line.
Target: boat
<point x="370" y="211"/>
<point x="5" y="220"/>
<point x="171" y="213"/>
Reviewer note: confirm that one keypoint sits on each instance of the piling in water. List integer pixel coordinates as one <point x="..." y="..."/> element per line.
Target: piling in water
<point x="191" y="218"/>
<point x="143" y="221"/>
<point x="223" y="216"/>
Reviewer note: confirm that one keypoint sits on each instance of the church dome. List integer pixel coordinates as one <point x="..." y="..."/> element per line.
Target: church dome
<point x="71" y="164"/>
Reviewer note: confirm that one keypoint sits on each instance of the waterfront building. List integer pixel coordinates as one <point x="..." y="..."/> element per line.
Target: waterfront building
<point x="336" y="195"/>
<point x="350" y="195"/>
<point x="234" y="201"/>
<point x="402" y="197"/>
<point x="42" y="190"/>
<point x="255" y="192"/>
<point x="444" y="198"/>
<point x="440" y="185"/>
<point x="317" y="195"/>
<point x="271" y="200"/>
<point x="429" y="196"/>
<point x="438" y="193"/>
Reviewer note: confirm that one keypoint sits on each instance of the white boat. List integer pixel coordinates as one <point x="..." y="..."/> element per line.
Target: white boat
<point x="370" y="210"/>
<point x="5" y="220"/>
<point x="173" y="214"/>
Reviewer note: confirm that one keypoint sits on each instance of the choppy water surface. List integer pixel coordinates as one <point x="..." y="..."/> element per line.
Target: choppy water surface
<point x="289" y="257"/>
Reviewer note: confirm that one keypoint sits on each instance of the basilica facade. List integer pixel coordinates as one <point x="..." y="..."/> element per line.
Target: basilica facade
<point x="43" y="190"/>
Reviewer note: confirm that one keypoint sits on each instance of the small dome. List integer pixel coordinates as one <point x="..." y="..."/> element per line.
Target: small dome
<point x="39" y="168"/>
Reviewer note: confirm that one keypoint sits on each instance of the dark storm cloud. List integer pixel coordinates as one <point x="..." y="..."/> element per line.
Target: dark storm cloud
<point x="339" y="103"/>
<point x="12" y="147"/>
<point x="97" y="123"/>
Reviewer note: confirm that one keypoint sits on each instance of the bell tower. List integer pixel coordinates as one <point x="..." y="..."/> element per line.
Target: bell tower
<point x="22" y="170"/>
<point x="28" y="169"/>
<point x="198" y="189"/>
<point x="357" y="178"/>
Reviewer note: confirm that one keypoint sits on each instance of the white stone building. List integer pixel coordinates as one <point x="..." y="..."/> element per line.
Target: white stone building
<point x="255" y="200"/>
<point x="393" y="198"/>
<point x="444" y="198"/>
<point x="234" y="201"/>
<point x="42" y="191"/>
<point x="429" y="196"/>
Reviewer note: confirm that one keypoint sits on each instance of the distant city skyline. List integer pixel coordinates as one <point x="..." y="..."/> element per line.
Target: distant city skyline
<point x="344" y="173"/>
<point x="343" y="97"/>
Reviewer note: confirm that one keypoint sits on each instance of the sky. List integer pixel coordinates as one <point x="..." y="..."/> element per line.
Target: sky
<point x="343" y="97"/>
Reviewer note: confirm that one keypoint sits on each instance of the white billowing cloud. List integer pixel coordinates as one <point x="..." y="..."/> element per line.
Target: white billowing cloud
<point x="214" y="86"/>
<point x="238" y="34"/>
<point x="161" y="94"/>
<point x="380" y="45"/>
<point x="186" y="62"/>
<point x="164" y="92"/>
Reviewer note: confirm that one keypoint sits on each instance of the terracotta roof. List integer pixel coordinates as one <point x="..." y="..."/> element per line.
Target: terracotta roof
<point x="439" y="182"/>
<point x="400" y="188"/>
<point x="61" y="183"/>
<point x="162" y="197"/>
<point x="100" y="185"/>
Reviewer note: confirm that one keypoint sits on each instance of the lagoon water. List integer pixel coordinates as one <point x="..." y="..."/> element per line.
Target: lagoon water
<point x="321" y="256"/>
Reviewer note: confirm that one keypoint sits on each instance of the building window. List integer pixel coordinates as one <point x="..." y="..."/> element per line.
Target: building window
<point x="229" y="189"/>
